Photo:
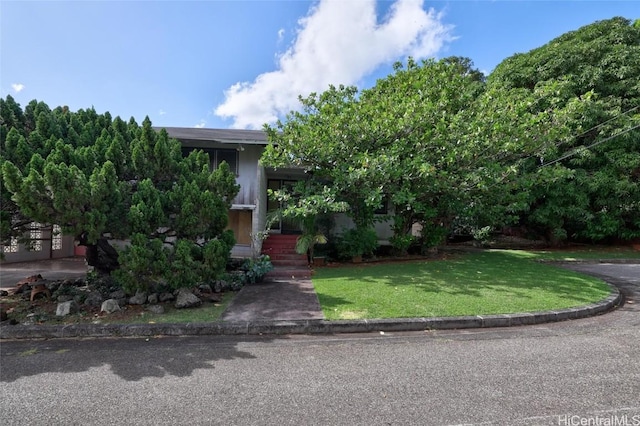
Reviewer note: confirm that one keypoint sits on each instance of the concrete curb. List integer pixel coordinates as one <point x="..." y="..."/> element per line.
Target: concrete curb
<point x="308" y="326"/>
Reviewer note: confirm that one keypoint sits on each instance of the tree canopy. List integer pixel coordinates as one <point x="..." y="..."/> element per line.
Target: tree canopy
<point x="429" y="138"/>
<point x="589" y="187"/>
<point x="549" y="141"/>
<point x="100" y="178"/>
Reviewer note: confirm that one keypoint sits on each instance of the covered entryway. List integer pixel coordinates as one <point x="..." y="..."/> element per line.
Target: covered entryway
<point x="282" y="226"/>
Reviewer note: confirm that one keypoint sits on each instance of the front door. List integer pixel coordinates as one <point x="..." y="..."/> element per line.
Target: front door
<point x="283" y="226"/>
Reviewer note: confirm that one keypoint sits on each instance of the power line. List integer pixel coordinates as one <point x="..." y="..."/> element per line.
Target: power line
<point x="575" y="151"/>
<point x="518" y="158"/>
<point x="605" y="122"/>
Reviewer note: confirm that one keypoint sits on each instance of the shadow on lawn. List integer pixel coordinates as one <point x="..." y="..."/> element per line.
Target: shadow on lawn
<point x="513" y="274"/>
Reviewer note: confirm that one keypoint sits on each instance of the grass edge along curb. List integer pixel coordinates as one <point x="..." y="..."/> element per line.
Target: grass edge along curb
<point x="309" y="326"/>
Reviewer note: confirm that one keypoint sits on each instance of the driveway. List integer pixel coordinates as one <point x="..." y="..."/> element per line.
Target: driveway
<point x="56" y="269"/>
<point x="629" y="272"/>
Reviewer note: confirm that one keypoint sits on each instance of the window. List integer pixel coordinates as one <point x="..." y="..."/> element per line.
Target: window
<point x="384" y="208"/>
<point x="56" y="238"/>
<point x="230" y="156"/>
<point x="35" y="235"/>
<point x="217" y="156"/>
<point x="12" y="247"/>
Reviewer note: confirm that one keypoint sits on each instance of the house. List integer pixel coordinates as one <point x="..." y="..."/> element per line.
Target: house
<point x="241" y="149"/>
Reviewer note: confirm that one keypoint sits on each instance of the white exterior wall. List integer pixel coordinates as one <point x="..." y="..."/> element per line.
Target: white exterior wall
<point x="46" y="250"/>
<point x="383" y="229"/>
<point x="251" y="180"/>
<point x="247" y="178"/>
<point x="260" y="212"/>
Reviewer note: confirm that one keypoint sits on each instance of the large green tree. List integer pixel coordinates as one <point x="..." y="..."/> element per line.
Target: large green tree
<point x="429" y="138"/>
<point x="13" y="224"/>
<point x="103" y="179"/>
<point x="588" y="187"/>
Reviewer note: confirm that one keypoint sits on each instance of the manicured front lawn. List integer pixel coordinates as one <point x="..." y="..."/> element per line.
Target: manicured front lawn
<point x="491" y="282"/>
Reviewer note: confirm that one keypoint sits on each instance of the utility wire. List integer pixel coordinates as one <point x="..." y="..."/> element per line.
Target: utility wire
<point x="516" y="157"/>
<point x="578" y="149"/>
<point x="586" y="131"/>
<point x="605" y="122"/>
<point x="575" y="151"/>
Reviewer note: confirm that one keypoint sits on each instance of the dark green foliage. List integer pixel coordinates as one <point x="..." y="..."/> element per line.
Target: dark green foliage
<point x="144" y="260"/>
<point x="357" y="242"/>
<point x="100" y="178"/>
<point x="429" y="139"/>
<point x="256" y="268"/>
<point x="592" y="192"/>
<point x="549" y="142"/>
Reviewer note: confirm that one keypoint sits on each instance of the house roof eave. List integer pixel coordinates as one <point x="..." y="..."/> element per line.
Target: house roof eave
<point x="224" y="136"/>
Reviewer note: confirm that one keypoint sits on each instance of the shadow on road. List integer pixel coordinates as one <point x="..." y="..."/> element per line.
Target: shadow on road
<point x="131" y="359"/>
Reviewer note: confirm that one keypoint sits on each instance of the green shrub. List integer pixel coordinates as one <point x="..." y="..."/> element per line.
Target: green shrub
<point x="357" y="242"/>
<point x="482" y="236"/>
<point x="255" y="269"/>
<point x="401" y="243"/>
<point x="185" y="264"/>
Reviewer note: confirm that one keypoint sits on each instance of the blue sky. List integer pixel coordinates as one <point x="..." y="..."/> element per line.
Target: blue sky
<point x="225" y="64"/>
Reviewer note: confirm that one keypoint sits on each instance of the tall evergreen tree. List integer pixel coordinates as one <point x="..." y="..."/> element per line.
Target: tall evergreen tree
<point x="102" y="179"/>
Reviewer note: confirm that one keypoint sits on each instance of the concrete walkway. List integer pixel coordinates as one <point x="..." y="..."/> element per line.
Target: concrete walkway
<point x="276" y="301"/>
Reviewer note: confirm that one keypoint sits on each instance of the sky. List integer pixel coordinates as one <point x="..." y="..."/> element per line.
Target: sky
<point x="241" y="64"/>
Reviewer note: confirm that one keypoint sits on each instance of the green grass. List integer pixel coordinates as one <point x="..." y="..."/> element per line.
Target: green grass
<point x="491" y="282"/>
<point x="586" y="254"/>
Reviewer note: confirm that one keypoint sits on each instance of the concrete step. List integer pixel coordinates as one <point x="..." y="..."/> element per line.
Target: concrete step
<point x="287" y="256"/>
<point x="291" y="246"/>
<point x="288" y="273"/>
<point x="282" y="250"/>
<point x="300" y="263"/>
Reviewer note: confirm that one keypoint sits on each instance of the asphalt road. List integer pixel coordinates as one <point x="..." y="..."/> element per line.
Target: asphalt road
<point x="567" y="373"/>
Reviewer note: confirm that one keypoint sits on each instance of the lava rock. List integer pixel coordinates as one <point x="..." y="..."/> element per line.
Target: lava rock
<point x="66" y="308"/>
<point x="165" y="297"/>
<point x="118" y="294"/>
<point x="205" y="288"/>
<point x="64" y="298"/>
<point x="110" y="306"/>
<point x="94" y="299"/>
<point x="139" y="299"/>
<point x="186" y="299"/>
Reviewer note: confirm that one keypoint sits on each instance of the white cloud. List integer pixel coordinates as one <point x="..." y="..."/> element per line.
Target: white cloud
<point x="338" y="42"/>
<point x="200" y="125"/>
<point x="17" y="87"/>
<point x="162" y="112"/>
<point x="280" y="35"/>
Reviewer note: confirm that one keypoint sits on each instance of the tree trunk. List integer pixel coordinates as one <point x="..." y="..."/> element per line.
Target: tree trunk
<point x="101" y="255"/>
